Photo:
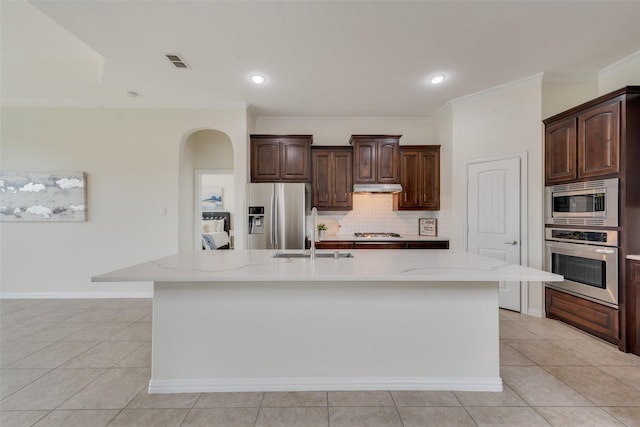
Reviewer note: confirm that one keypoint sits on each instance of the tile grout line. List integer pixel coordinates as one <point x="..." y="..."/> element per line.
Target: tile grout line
<point x="543" y="367"/>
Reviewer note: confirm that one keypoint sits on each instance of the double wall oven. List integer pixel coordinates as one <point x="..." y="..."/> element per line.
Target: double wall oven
<point x="581" y="239"/>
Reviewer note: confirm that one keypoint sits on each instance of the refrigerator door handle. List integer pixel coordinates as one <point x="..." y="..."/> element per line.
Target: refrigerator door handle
<point x="272" y="236"/>
<point x="276" y="214"/>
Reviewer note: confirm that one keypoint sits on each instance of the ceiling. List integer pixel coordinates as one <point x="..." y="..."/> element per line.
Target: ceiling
<point x="321" y="58"/>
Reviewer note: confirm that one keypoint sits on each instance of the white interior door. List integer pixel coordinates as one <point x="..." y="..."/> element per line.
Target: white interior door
<point x="493" y="217"/>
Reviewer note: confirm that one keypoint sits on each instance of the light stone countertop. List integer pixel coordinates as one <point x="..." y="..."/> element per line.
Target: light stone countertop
<point x="366" y="266"/>
<point x="634" y="257"/>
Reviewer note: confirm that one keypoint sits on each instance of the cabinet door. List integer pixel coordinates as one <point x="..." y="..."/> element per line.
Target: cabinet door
<point x="430" y="179"/>
<point x="420" y="178"/>
<point x="365" y="161"/>
<point x="560" y="151"/>
<point x="295" y="160"/>
<point x="334" y="244"/>
<point x="342" y="180"/>
<point x="438" y="244"/>
<point x="265" y="160"/>
<point x="387" y="161"/>
<point x="321" y="165"/>
<point x="599" y="141"/>
<point x="410" y="179"/>
<point x="379" y="245"/>
<point x="633" y="318"/>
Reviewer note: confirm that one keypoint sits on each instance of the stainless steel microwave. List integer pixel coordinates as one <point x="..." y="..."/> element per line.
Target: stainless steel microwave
<point x="592" y="203"/>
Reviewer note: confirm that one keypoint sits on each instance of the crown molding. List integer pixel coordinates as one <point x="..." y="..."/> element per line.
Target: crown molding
<point x="570" y="77"/>
<point x="527" y="81"/>
<point x="624" y="62"/>
<point x="338" y="118"/>
<point x="46" y="103"/>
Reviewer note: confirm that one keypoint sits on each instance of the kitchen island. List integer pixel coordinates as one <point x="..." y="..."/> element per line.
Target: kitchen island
<point x="381" y="320"/>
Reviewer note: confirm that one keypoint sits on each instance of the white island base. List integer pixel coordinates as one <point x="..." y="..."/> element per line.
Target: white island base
<point x="382" y="320"/>
<point x="248" y="336"/>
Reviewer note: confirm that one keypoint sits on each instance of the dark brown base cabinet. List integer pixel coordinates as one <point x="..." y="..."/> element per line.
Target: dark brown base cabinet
<point x="406" y="244"/>
<point x="596" y="319"/>
<point x="419" y="177"/>
<point x="331" y="178"/>
<point x="280" y="158"/>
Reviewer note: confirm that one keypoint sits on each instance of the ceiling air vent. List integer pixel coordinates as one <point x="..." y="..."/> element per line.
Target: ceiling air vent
<point x="176" y="60"/>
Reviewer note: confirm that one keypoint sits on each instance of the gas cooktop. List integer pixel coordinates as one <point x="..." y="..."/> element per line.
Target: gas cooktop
<point x="373" y="235"/>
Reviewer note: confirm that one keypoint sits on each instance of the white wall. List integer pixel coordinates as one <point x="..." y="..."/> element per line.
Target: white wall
<point x="625" y="72"/>
<point x="338" y="130"/>
<point x="131" y="157"/>
<point x="505" y="120"/>
<point x="442" y="135"/>
<point x="204" y="149"/>
<point x="559" y="96"/>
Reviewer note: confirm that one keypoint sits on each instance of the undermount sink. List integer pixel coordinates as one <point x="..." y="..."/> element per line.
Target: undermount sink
<point x="318" y="255"/>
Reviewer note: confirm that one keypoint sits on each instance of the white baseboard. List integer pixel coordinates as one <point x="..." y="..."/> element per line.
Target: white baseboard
<point x="535" y="312"/>
<point x="323" y="384"/>
<point x="74" y="295"/>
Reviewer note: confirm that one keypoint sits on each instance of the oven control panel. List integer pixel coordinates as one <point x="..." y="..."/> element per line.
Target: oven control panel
<point x="593" y="237"/>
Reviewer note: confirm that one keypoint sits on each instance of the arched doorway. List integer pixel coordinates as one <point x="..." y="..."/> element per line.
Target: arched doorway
<point x="203" y="152"/>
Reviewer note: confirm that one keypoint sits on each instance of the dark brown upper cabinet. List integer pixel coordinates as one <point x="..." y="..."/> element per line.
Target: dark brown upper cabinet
<point x="560" y="151"/>
<point x="419" y="177"/>
<point x="584" y="144"/>
<point x="375" y="159"/>
<point x="599" y="140"/>
<point x="331" y="178"/>
<point x="281" y="158"/>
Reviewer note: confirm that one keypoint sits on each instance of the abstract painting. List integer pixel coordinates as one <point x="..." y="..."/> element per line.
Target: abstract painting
<point x="43" y="196"/>
<point x="211" y="198"/>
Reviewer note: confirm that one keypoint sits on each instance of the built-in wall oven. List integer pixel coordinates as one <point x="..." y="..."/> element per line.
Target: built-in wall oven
<point x="588" y="260"/>
<point x="587" y="203"/>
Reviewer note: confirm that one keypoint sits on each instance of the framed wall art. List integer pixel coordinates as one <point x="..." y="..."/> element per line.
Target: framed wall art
<point x="43" y="196"/>
<point x="211" y="198"/>
<point x="428" y="227"/>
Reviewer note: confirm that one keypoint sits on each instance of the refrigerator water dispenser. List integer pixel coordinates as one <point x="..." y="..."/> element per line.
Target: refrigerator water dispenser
<point x="256" y="219"/>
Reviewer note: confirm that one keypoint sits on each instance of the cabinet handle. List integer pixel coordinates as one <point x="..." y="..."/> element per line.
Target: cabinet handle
<point x="513" y="242"/>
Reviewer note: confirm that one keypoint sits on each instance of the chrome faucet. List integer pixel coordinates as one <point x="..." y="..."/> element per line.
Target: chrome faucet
<point x="314" y="228"/>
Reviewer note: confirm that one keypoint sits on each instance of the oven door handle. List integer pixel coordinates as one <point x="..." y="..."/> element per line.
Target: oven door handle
<point x="605" y="251"/>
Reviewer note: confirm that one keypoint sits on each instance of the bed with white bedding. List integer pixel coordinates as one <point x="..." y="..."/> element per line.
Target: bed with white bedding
<point x="215" y="230"/>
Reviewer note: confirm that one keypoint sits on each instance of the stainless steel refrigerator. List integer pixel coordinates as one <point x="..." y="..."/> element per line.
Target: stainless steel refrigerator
<point x="276" y="215"/>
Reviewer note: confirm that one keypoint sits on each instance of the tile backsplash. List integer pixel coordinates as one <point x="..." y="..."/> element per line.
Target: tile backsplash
<point x="374" y="213"/>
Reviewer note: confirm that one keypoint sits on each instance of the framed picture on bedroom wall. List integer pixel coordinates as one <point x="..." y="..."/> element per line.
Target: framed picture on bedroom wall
<point x="211" y="198"/>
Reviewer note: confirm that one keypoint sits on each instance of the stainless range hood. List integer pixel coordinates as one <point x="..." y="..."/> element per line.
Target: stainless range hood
<point x="377" y="188"/>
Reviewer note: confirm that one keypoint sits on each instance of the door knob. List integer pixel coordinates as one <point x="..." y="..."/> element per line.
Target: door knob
<point x="513" y="242"/>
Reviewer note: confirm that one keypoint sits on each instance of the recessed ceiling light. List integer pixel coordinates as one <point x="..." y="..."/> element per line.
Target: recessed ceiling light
<point x="436" y="79"/>
<point x="257" y="79"/>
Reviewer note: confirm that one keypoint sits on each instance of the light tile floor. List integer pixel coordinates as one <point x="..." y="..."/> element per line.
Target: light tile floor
<point x="87" y="363"/>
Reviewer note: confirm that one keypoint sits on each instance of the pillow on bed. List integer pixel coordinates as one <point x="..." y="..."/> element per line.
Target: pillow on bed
<point x="213" y="226"/>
